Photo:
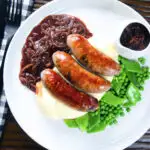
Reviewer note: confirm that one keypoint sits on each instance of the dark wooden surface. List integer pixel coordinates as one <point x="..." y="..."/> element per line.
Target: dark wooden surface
<point x="15" y="139"/>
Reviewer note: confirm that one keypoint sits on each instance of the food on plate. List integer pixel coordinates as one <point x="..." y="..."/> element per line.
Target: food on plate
<point x="142" y="60"/>
<point x="90" y="87"/>
<point x="47" y="37"/>
<point x="78" y="76"/>
<point x="135" y="36"/>
<point x="67" y="94"/>
<point x="124" y="94"/>
<point x="90" y="57"/>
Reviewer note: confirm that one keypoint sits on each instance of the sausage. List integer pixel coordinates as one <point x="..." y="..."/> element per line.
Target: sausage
<point x="77" y="75"/>
<point x="90" y="57"/>
<point x="67" y="93"/>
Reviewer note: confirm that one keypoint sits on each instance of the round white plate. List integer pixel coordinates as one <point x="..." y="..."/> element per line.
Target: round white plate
<point x="100" y="17"/>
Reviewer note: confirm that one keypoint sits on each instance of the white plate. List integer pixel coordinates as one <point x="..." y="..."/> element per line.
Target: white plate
<point x="53" y="134"/>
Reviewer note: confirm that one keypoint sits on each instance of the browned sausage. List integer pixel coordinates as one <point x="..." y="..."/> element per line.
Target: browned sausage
<point x="91" y="58"/>
<point x="77" y="75"/>
<point x="66" y="93"/>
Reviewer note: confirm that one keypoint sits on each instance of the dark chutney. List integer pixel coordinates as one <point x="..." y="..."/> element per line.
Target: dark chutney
<point x="135" y="36"/>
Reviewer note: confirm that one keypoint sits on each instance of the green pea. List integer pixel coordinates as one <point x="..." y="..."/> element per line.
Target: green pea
<point x="123" y="96"/>
<point x="119" y="57"/>
<point x="106" y="112"/>
<point x="125" y="84"/>
<point x="102" y="117"/>
<point x="102" y="103"/>
<point x="139" y="79"/>
<point x="115" y="107"/>
<point x="118" y="107"/>
<point x="142" y="60"/>
<point x="102" y="112"/>
<point x="120" y="78"/>
<point x="110" y="120"/>
<point x="105" y="122"/>
<point x="120" y="95"/>
<point x="145" y="69"/>
<point x="115" y="121"/>
<point x="121" y="109"/>
<point x="107" y="119"/>
<point x="123" y="91"/>
<point x="122" y="88"/>
<point x="115" y="111"/>
<point x="142" y="82"/>
<point x="122" y="114"/>
<point x="142" y="88"/>
<point x="102" y="107"/>
<point x="116" y="115"/>
<point x="114" y="93"/>
<point x="128" y="109"/>
<point x="123" y="75"/>
<point x="111" y="123"/>
<point x="147" y="77"/>
<point x="126" y="80"/>
<point x="148" y="73"/>
<point x="110" y="110"/>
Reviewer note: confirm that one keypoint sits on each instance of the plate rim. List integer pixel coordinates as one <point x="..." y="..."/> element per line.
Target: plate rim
<point x="121" y="146"/>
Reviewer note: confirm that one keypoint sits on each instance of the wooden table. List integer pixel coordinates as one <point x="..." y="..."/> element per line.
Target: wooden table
<point x="15" y="139"/>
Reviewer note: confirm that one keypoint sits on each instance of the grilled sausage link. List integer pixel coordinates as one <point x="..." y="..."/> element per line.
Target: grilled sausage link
<point x="77" y="75"/>
<point x="68" y="94"/>
<point x="90" y="57"/>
